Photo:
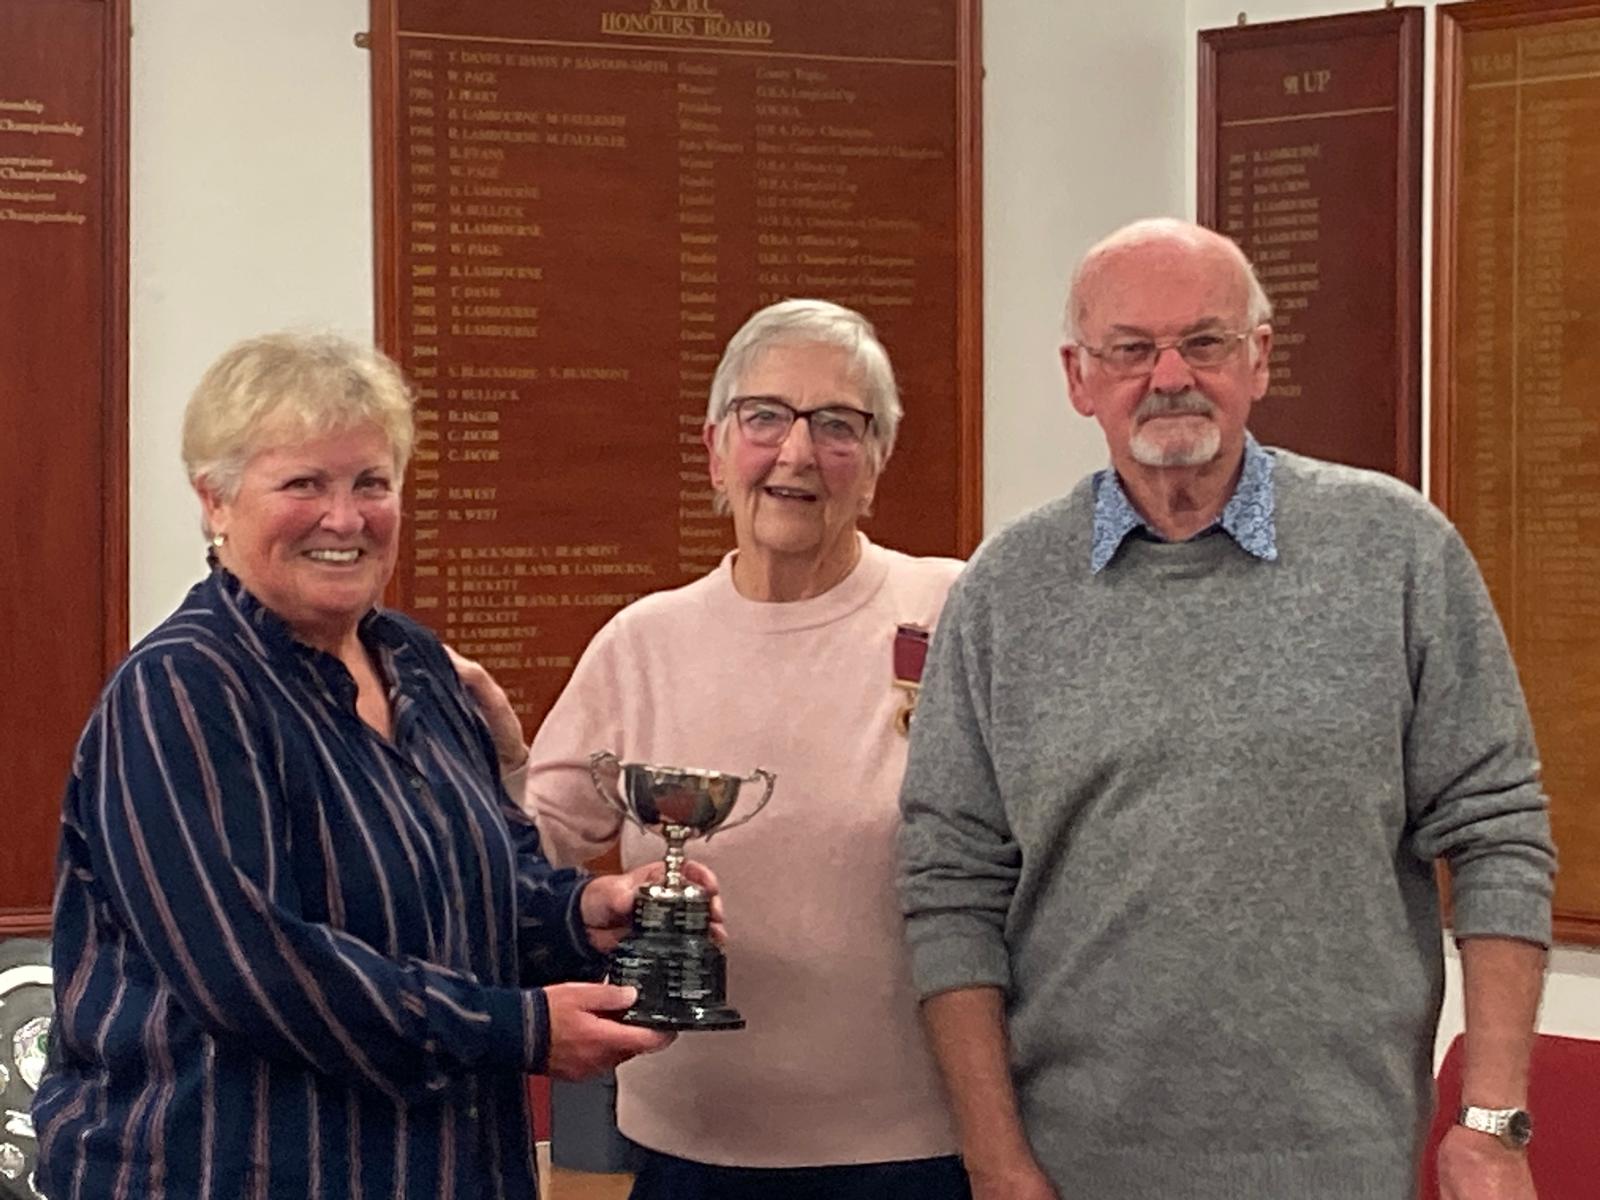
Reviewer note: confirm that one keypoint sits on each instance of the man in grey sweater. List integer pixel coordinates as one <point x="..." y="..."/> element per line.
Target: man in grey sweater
<point x="1190" y="741"/>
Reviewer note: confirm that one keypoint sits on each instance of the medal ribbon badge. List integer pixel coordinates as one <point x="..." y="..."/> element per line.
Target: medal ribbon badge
<point x="910" y="653"/>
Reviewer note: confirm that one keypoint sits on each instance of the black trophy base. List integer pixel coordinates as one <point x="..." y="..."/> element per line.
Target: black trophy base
<point x="688" y="1017"/>
<point x="680" y="972"/>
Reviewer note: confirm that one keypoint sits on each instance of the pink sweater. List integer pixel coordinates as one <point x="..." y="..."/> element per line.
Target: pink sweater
<point x="832" y="1067"/>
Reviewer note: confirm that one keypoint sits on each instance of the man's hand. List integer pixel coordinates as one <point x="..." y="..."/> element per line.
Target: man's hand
<point x="607" y="902"/>
<point x="584" y="1040"/>
<point x="495" y="706"/>
<point x="1475" y="1166"/>
<point x="1011" y="1181"/>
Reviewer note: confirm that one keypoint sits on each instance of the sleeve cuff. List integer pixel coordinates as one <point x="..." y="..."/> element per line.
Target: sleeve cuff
<point x="535" y="1018"/>
<point x="592" y="961"/>
<point x="943" y="959"/>
<point x="1501" y="912"/>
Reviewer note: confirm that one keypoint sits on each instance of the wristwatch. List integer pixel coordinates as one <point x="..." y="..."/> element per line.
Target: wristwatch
<point x="1513" y="1126"/>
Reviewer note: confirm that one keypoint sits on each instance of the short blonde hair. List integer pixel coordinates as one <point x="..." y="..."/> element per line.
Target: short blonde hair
<point x="294" y="384"/>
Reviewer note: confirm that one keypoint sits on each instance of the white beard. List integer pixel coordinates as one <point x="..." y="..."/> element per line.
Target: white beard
<point x="1191" y="450"/>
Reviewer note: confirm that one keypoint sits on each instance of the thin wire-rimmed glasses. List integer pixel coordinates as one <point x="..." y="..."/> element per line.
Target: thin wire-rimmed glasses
<point x="1129" y="356"/>
<point x="766" y="421"/>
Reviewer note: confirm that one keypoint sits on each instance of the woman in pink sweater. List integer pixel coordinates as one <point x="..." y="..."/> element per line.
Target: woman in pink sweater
<point x="780" y="658"/>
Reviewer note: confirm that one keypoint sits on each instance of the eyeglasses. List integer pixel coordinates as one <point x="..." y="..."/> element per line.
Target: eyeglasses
<point x="766" y="421"/>
<point x="1137" y="356"/>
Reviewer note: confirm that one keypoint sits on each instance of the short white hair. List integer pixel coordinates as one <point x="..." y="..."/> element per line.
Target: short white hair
<point x="794" y="322"/>
<point x="1258" y="306"/>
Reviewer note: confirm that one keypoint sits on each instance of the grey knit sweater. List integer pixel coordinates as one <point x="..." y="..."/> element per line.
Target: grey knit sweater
<point x="1185" y="813"/>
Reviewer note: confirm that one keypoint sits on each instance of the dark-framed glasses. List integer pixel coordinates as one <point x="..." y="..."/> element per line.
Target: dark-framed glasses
<point x="766" y="421"/>
<point x="1137" y="355"/>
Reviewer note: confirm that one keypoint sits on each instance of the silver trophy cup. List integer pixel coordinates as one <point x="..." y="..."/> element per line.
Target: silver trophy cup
<point x="669" y="956"/>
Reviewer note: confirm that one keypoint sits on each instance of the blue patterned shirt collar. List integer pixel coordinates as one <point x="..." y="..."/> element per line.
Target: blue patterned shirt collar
<point x="1248" y="517"/>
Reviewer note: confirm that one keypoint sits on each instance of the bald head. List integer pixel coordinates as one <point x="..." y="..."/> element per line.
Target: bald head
<point x="1146" y="251"/>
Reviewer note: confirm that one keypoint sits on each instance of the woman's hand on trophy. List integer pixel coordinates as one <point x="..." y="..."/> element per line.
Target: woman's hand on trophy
<point x="495" y="707"/>
<point x="585" y="1037"/>
<point x="607" y="902"/>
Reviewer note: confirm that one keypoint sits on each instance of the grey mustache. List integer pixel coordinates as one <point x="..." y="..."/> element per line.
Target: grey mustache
<point x="1166" y="404"/>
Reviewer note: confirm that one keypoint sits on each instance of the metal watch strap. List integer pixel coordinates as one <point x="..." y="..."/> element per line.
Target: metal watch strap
<point x="1496" y="1122"/>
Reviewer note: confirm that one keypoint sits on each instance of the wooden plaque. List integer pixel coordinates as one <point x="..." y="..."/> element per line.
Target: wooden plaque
<point x="1516" y="414"/>
<point x="1310" y="157"/>
<point x="63" y="406"/>
<point x="578" y="204"/>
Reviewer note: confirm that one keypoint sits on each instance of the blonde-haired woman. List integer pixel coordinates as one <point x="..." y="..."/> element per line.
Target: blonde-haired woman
<point x="304" y="945"/>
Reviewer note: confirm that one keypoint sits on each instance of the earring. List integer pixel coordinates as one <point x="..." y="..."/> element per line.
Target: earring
<point x="218" y="541"/>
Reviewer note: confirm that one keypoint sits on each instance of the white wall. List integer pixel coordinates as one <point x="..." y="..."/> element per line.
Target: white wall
<point x="252" y="210"/>
<point x="1080" y="135"/>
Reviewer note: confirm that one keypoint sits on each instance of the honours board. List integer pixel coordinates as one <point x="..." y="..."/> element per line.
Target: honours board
<point x="63" y="407"/>
<point x="1310" y="157"/>
<point x="578" y="204"/>
<point x="1516" y="448"/>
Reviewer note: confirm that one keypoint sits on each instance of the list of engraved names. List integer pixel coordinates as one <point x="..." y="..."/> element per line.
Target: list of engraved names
<point x="1526" y="319"/>
<point x="1306" y="179"/>
<point x="43" y="166"/>
<point x="586" y="217"/>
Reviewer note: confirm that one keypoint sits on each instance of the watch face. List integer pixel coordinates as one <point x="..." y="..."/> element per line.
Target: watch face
<point x="1519" y="1128"/>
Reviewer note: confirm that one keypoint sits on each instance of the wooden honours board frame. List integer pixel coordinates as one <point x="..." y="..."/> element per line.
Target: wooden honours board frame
<point x="1516" y="415"/>
<point x="1310" y="157"/>
<point x="578" y="204"/>
<point x="63" y="409"/>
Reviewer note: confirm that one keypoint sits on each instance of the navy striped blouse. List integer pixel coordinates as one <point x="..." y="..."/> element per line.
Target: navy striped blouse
<point x="290" y="956"/>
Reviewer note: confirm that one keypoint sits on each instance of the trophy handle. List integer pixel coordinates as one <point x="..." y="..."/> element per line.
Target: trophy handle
<point x="758" y="773"/>
<point x="604" y="758"/>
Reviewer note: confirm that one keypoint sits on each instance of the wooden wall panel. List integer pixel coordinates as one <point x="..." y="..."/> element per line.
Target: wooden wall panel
<point x="578" y="204"/>
<point x="1516" y="425"/>
<point x="63" y="403"/>
<point x="1310" y="157"/>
